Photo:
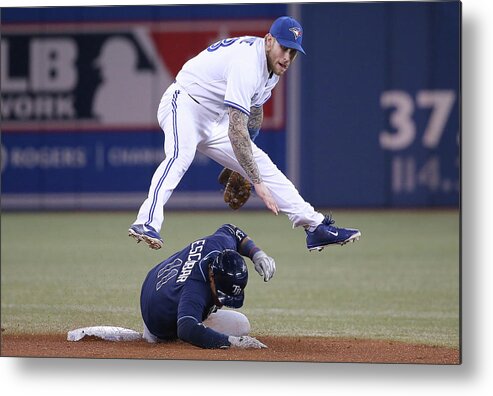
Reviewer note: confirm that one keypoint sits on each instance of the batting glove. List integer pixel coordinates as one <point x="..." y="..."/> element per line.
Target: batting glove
<point x="264" y="265"/>
<point x="245" y="342"/>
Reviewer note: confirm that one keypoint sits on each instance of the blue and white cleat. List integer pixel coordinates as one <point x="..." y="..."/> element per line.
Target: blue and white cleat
<point x="326" y="234"/>
<point x="149" y="235"/>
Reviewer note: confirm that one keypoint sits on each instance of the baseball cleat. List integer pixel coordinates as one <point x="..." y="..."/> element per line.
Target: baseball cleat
<point x="149" y="235"/>
<point x="326" y="234"/>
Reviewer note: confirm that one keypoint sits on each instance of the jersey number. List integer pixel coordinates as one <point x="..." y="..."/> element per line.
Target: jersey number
<point x="229" y="41"/>
<point x="168" y="272"/>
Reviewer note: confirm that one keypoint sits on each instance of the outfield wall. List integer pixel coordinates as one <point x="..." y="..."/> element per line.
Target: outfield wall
<point x="369" y="118"/>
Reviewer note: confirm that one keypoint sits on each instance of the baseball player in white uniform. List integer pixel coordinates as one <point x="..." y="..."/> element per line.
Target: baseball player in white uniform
<point x="215" y="107"/>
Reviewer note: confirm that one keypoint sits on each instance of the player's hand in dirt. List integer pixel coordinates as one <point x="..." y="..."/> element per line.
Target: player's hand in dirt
<point x="245" y="342"/>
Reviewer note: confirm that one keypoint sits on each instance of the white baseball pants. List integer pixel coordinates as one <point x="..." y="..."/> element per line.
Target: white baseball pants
<point x="223" y="321"/>
<point x="188" y="127"/>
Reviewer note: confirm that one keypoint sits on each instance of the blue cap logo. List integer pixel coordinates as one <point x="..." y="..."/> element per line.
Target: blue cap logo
<point x="297" y="32"/>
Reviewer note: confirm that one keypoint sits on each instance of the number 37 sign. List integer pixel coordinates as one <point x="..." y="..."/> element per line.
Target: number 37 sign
<point x="420" y="120"/>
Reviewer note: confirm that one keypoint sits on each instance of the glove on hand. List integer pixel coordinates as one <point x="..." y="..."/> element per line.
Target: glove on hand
<point x="264" y="265"/>
<point x="245" y="342"/>
<point x="237" y="189"/>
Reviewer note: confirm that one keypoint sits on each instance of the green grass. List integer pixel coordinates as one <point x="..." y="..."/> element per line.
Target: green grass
<point x="61" y="271"/>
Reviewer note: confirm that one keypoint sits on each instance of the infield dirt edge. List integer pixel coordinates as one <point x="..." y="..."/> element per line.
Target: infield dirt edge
<point x="280" y="349"/>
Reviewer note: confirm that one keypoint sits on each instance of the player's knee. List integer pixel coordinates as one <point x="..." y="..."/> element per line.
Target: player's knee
<point x="182" y="162"/>
<point x="229" y="322"/>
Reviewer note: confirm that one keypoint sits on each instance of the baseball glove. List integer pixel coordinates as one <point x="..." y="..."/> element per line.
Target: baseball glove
<point x="237" y="189"/>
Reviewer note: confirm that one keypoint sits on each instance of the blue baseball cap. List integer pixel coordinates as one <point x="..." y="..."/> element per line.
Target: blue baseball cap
<point x="288" y="32"/>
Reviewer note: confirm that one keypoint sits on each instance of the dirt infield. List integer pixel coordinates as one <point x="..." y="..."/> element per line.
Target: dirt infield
<point x="280" y="349"/>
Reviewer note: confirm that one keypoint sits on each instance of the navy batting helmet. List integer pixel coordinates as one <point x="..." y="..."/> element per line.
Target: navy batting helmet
<point x="230" y="277"/>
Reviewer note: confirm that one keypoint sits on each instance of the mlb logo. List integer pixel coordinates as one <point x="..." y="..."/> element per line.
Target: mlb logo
<point x="116" y="82"/>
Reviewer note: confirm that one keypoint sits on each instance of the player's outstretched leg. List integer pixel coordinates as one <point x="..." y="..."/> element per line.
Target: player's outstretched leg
<point x="326" y="234"/>
<point x="177" y="117"/>
<point x="147" y="234"/>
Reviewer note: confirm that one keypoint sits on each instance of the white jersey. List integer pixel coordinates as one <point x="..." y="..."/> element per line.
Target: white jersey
<point x="232" y="72"/>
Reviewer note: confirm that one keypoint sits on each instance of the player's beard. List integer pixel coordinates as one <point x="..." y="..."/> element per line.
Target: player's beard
<point x="278" y="67"/>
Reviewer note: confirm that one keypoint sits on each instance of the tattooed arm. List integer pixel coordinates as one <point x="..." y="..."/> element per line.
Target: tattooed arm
<point x="255" y="121"/>
<point x="240" y="140"/>
<point x="242" y="147"/>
